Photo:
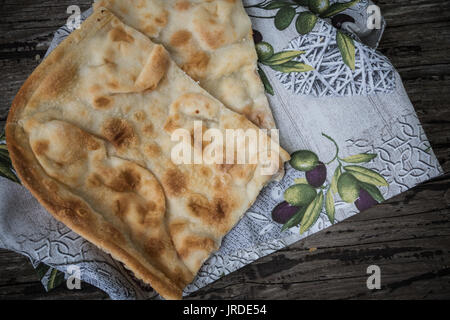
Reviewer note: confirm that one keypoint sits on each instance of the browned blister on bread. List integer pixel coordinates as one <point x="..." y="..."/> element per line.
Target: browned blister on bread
<point x="211" y="41"/>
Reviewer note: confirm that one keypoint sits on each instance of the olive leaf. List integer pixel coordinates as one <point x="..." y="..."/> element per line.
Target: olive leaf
<point x="338" y="7"/>
<point x="367" y="175"/>
<point x="373" y="191"/>
<point x="55" y="280"/>
<point x="295" y="220"/>
<point x="303" y="3"/>
<point x="282" y="57"/>
<point x="292" y="66"/>
<point x="284" y="17"/>
<point x="6" y="169"/>
<point x="42" y="270"/>
<point x="276" y="5"/>
<point x="4" y="156"/>
<point x="329" y="206"/>
<point x="306" y="22"/>
<point x="312" y="213"/>
<point x="347" y="48"/>
<point x="334" y="180"/>
<point x="267" y="86"/>
<point x="360" y="158"/>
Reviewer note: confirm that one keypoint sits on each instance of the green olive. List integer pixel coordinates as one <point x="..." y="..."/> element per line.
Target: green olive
<point x="348" y="187"/>
<point x="304" y="160"/>
<point x="306" y="22"/>
<point x="319" y="6"/>
<point x="264" y="50"/>
<point x="300" y="195"/>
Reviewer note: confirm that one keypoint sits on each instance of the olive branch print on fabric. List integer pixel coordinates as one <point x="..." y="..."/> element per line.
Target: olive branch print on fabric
<point x="52" y="277"/>
<point x="280" y="61"/>
<point x="329" y="61"/>
<point x="306" y="199"/>
<point x="305" y="23"/>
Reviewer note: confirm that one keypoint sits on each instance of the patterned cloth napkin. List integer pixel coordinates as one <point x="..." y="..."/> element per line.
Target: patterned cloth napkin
<point x="342" y="111"/>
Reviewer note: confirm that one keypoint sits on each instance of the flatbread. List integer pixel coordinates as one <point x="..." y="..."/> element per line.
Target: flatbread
<point x="89" y="135"/>
<point x="211" y="40"/>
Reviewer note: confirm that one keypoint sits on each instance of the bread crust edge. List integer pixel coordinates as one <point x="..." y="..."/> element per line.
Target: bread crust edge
<point x="33" y="177"/>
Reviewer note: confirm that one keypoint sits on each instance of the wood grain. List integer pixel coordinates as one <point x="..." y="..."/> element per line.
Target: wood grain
<point x="408" y="236"/>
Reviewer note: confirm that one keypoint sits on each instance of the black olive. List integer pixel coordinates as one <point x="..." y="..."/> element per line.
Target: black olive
<point x="365" y="201"/>
<point x="339" y="19"/>
<point x="283" y="212"/>
<point x="257" y="36"/>
<point x="317" y="176"/>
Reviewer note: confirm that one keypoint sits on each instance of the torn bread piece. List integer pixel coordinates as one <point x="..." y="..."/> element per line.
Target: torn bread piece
<point x="90" y="134"/>
<point x="211" y="41"/>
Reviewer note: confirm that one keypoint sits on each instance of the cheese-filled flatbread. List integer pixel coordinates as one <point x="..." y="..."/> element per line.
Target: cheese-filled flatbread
<point x="90" y="134"/>
<point x="211" y="40"/>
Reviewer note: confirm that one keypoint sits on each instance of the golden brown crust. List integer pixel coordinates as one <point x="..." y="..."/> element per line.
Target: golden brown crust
<point x="101" y="94"/>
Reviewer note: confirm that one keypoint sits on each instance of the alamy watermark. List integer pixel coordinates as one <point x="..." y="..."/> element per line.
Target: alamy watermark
<point x="74" y="20"/>
<point x="227" y="147"/>
<point x="374" y="17"/>
<point x="373" y="21"/>
<point x="374" y="280"/>
<point x="73" y="281"/>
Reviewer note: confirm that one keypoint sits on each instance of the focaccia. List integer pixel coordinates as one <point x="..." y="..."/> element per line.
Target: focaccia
<point x="90" y="134"/>
<point x="211" y="40"/>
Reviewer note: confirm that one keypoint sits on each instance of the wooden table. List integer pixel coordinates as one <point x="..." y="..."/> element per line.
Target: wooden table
<point x="408" y="236"/>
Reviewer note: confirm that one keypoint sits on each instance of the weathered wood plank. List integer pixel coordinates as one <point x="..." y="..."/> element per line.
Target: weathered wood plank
<point x="18" y="279"/>
<point x="413" y="12"/>
<point x="339" y="274"/>
<point x="15" y="268"/>
<point x="417" y="45"/>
